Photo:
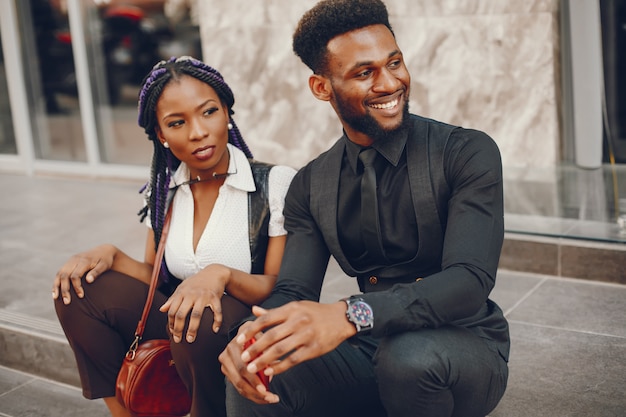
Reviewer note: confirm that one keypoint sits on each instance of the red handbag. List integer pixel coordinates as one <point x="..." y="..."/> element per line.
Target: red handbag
<point x="148" y="384"/>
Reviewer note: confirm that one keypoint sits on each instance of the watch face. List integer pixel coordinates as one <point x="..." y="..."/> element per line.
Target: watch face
<point x="361" y="313"/>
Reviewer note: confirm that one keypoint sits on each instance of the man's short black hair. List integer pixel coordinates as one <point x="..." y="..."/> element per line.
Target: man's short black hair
<point x="330" y="18"/>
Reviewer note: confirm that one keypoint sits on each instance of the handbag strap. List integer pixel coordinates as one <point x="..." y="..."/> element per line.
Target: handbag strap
<point x="153" y="285"/>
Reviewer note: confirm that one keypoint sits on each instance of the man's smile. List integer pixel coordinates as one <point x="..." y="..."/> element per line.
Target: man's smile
<point x="389" y="105"/>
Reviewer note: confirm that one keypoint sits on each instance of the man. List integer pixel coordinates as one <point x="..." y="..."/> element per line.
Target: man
<point x="423" y="339"/>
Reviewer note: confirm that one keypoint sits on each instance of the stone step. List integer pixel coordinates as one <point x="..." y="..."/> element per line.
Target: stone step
<point x="36" y="346"/>
<point x="562" y="257"/>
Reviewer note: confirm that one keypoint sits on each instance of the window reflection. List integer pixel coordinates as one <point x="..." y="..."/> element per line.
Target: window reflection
<point x="50" y="82"/>
<point x="7" y="135"/>
<point x="54" y="53"/>
<point x="121" y="40"/>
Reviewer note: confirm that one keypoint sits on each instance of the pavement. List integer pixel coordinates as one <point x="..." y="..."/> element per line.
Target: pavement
<point x="568" y="352"/>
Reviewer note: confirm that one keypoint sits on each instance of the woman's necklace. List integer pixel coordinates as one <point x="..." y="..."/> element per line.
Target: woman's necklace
<point x="214" y="177"/>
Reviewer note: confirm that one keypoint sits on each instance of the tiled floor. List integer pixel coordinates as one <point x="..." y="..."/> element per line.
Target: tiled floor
<point x="568" y="355"/>
<point x="25" y="395"/>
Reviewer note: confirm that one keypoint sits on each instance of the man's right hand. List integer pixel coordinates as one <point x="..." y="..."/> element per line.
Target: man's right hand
<point x="248" y="384"/>
<point x="285" y="337"/>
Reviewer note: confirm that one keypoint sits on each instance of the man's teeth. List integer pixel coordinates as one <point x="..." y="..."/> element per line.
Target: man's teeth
<point x="385" y="105"/>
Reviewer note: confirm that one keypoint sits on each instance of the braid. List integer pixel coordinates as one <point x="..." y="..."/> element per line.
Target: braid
<point x="237" y="140"/>
<point x="157" y="190"/>
<point x="164" y="163"/>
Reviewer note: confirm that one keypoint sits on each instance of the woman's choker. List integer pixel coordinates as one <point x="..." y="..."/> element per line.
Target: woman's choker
<point x="213" y="177"/>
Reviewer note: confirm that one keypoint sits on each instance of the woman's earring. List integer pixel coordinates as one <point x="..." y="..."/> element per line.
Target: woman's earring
<point x="166" y="145"/>
<point x="230" y="126"/>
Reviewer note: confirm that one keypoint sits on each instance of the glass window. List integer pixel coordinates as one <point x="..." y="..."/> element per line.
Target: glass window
<point x="50" y="81"/>
<point x="7" y="135"/>
<point x="116" y="44"/>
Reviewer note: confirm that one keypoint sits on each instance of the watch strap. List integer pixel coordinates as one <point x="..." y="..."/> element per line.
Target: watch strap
<point x="360" y="324"/>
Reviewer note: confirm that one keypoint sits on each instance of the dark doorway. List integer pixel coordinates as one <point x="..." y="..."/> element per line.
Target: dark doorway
<point x="613" y="22"/>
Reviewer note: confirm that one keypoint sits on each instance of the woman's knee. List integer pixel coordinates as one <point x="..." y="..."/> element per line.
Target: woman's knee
<point x="77" y="307"/>
<point x="110" y="295"/>
<point x="207" y="342"/>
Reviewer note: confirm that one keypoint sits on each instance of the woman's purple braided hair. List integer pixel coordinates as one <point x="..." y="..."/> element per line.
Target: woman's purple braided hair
<point x="164" y="163"/>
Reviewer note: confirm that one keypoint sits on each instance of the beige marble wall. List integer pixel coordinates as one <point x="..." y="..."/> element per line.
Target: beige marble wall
<point x="486" y="64"/>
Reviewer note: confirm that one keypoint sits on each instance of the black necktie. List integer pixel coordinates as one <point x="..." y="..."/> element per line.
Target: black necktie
<point x="370" y="224"/>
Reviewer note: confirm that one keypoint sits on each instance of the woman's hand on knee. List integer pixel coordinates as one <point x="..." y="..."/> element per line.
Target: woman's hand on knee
<point x="191" y="298"/>
<point x="89" y="264"/>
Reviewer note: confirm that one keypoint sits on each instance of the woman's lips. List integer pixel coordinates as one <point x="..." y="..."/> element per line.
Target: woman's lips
<point x="204" y="153"/>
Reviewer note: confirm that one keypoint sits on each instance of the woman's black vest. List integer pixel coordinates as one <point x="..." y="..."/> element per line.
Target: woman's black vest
<point x="259" y="216"/>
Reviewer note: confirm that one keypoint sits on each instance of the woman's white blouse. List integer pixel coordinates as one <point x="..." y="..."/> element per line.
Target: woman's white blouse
<point x="225" y="239"/>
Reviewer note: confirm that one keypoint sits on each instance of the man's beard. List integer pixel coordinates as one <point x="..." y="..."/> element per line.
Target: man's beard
<point x="366" y="124"/>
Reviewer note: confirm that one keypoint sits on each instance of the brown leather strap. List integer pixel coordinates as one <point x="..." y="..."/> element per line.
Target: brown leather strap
<point x="155" y="276"/>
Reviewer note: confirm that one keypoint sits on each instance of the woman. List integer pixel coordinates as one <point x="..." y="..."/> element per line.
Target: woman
<point x="222" y="253"/>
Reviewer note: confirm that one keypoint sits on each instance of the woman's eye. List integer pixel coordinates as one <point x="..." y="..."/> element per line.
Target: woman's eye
<point x="175" y="123"/>
<point x="210" y="111"/>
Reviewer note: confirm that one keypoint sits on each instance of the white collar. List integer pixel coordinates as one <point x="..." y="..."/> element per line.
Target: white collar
<point x="241" y="177"/>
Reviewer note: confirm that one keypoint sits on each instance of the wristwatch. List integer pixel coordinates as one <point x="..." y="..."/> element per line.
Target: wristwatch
<point x="359" y="313"/>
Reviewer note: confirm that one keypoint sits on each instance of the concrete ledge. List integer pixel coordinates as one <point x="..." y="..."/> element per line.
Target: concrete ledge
<point x="36" y="346"/>
<point x="39" y="347"/>
<point x="571" y="258"/>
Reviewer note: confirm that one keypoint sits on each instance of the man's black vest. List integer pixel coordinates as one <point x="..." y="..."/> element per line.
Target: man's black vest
<point x="429" y="192"/>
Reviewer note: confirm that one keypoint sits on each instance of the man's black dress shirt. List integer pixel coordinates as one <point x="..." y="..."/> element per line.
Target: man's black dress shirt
<point x="398" y="224"/>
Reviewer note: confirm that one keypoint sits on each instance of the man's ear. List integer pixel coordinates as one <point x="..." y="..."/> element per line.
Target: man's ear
<point x="320" y="87"/>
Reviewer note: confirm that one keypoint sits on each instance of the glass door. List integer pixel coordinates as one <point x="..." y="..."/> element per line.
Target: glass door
<point x="79" y="66"/>
<point x="8" y="145"/>
<point x="51" y="83"/>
